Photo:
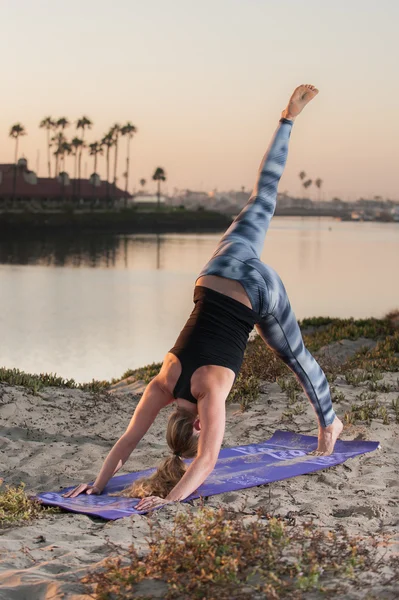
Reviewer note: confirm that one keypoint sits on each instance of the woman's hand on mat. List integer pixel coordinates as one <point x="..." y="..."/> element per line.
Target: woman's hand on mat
<point x="151" y="502"/>
<point x="82" y="488"/>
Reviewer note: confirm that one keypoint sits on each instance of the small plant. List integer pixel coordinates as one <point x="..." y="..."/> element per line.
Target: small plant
<point x="356" y="378"/>
<point x="287" y="416"/>
<point x="289" y="384"/>
<point x="337" y="395"/>
<point x="245" y="391"/>
<point x="384" y="388"/>
<point x="364" y="396"/>
<point x="395" y="406"/>
<point x="294" y="410"/>
<point x="292" y="397"/>
<point x="16" y="507"/>
<point x="384" y="415"/>
<point x="366" y="412"/>
<point x="383" y="357"/>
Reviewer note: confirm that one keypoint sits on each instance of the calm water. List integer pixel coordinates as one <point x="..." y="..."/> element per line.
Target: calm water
<point x="95" y="306"/>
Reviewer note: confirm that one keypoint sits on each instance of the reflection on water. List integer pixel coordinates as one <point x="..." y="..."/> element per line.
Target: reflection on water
<point x="65" y="251"/>
<point x="92" y="306"/>
<point x="105" y="251"/>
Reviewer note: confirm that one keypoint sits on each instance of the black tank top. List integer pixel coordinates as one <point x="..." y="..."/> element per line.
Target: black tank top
<point x="216" y="333"/>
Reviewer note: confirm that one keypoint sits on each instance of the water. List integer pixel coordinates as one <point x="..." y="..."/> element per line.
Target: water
<point x="95" y="306"/>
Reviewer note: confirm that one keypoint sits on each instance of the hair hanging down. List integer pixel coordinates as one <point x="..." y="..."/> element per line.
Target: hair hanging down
<point x="182" y="442"/>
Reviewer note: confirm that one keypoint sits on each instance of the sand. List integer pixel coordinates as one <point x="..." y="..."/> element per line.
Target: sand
<point x="60" y="437"/>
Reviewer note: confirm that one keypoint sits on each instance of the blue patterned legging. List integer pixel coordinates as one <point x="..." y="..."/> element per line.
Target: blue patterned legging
<point x="238" y="257"/>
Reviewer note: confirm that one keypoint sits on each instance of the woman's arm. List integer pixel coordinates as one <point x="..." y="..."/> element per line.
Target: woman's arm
<point x="154" y="398"/>
<point x="212" y="414"/>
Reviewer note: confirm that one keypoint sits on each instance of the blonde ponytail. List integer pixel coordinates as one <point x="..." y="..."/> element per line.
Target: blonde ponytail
<point x="182" y="442"/>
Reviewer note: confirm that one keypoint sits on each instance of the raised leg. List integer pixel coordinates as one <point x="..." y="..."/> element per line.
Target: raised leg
<point x="250" y="226"/>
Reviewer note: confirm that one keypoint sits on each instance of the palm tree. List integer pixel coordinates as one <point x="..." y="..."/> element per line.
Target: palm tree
<point x="129" y="130"/>
<point x="115" y="132"/>
<point x="95" y="149"/>
<point x="62" y="123"/>
<point x="302" y="176"/>
<point x="49" y="124"/>
<point x="16" y="131"/>
<point x="307" y="183"/>
<point x="66" y="150"/>
<point x="76" y="144"/>
<point x="143" y="182"/>
<point x="159" y="176"/>
<point x="108" y="141"/>
<point x="318" y="184"/>
<point x="83" y="124"/>
<point x="59" y="140"/>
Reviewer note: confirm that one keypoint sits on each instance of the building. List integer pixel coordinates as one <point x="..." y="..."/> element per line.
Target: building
<point x="19" y="186"/>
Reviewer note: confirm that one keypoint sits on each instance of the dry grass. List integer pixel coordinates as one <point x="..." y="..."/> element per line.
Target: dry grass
<point x="218" y="556"/>
<point x="143" y="373"/>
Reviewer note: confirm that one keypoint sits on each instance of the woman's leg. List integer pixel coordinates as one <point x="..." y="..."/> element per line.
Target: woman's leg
<point x="281" y="332"/>
<point x="251" y="225"/>
<point x="245" y="237"/>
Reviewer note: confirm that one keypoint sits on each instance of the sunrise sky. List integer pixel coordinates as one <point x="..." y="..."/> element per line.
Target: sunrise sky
<point x="205" y="82"/>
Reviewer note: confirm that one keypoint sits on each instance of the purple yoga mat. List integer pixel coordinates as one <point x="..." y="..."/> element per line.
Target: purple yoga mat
<point x="281" y="457"/>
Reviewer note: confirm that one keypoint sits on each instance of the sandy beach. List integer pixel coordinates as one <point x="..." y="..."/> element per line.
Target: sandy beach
<point x="60" y="437"/>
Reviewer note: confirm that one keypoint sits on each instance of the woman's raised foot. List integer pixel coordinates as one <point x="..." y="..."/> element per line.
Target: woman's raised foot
<point x="299" y="99"/>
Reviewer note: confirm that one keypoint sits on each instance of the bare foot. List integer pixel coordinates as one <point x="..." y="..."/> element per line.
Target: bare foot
<point x="327" y="438"/>
<point x="299" y="99"/>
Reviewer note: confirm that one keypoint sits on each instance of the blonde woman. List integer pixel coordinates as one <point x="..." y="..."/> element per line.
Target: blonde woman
<point x="234" y="292"/>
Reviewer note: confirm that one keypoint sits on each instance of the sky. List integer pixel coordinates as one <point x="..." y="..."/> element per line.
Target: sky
<point x="205" y="83"/>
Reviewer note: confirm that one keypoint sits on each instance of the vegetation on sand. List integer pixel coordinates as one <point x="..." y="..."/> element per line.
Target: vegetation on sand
<point x="17" y="508"/>
<point x="219" y="555"/>
<point x="35" y="383"/>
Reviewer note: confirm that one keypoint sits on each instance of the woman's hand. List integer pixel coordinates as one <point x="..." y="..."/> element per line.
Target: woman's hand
<point x="82" y="488"/>
<point x="151" y="502"/>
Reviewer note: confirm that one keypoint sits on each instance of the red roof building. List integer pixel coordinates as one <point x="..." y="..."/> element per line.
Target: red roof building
<point x="17" y="182"/>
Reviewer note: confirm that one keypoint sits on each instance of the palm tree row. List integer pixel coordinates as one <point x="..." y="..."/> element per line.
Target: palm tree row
<point x="57" y="140"/>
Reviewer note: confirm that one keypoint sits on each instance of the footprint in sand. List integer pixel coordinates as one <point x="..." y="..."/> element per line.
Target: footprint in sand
<point x="353" y="511"/>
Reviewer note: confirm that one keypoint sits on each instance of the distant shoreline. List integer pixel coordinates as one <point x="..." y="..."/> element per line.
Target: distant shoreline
<point x="124" y="221"/>
<point x="134" y="221"/>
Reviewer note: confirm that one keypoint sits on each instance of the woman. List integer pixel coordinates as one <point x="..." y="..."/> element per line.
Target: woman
<point x="234" y="292"/>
